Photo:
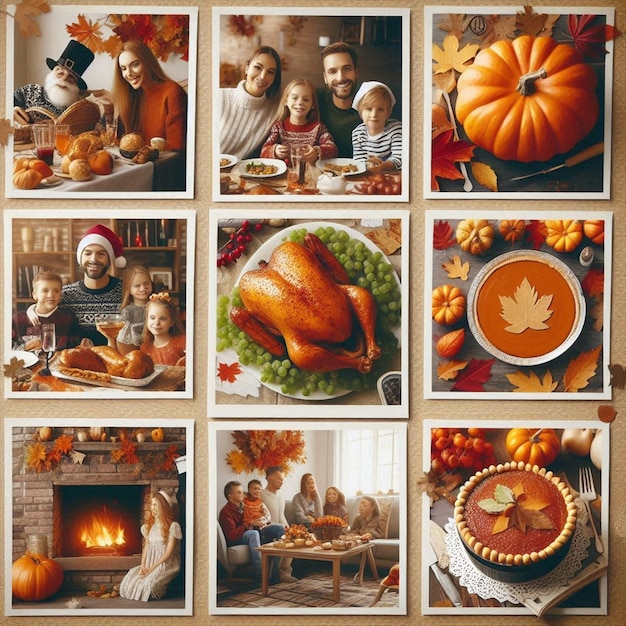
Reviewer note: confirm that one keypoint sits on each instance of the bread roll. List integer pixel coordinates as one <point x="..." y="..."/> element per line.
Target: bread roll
<point x="83" y="145"/>
<point x="131" y="142"/>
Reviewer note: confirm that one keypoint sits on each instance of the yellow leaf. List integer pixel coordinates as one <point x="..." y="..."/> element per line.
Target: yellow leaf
<point x="485" y="175"/>
<point x="501" y="524"/>
<point x="450" y="57"/>
<point x="533" y="504"/>
<point x="456" y="268"/>
<point x="449" y="369"/>
<point x="581" y="369"/>
<point x="524" y="310"/>
<point x="531" y="382"/>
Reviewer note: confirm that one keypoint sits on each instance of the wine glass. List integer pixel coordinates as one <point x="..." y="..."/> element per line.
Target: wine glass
<point x="48" y="345"/>
<point x="110" y="326"/>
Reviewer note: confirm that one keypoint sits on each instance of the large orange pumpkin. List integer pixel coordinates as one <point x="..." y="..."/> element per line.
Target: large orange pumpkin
<point x="537" y="447"/>
<point x="527" y="99"/>
<point x="35" y="577"/>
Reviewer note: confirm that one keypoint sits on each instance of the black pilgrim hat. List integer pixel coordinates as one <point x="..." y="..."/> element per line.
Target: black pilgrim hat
<point x="76" y="58"/>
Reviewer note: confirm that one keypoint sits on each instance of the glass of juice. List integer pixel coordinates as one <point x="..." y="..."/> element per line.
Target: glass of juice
<point x="44" y="136"/>
<point x="63" y="137"/>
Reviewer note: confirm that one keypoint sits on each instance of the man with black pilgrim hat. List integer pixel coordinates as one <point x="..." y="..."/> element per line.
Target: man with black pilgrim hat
<point x="63" y="85"/>
<point x="98" y="292"/>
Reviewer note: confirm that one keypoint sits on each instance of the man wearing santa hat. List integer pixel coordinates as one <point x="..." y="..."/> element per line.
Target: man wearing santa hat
<point x="98" y="292"/>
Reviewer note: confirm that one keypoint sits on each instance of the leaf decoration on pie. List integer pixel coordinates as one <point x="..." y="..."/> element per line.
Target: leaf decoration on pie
<point x="515" y="509"/>
<point x="455" y="268"/>
<point x="525" y="309"/>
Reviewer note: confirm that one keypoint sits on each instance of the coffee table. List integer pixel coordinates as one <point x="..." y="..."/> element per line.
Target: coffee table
<point x="316" y="553"/>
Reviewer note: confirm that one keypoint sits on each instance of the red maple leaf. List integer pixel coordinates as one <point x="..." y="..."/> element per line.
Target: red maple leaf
<point x="443" y="235"/>
<point x="474" y="375"/>
<point x="536" y="233"/>
<point x="445" y="154"/>
<point x="589" y="38"/>
<point x="228" y="372"/>
<point x="593" y="283"/>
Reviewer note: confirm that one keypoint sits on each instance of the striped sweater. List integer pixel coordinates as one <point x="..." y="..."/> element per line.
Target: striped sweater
<point x="387" y="146"/>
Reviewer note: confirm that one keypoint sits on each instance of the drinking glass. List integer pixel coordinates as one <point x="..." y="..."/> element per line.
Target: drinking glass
<point x="48" y="345"/>
<point x="111" y="132"/>
<point x="110" y="326"/>
<point x="44" y="137"/>
<point x="296" y="176"/>
<point x="63" y="137"/>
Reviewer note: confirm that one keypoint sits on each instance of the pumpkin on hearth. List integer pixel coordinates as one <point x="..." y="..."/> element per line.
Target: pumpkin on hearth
<point x="564" y="235"/>
<point x="537" y="447"/>
<point x="528" y="99"/>
<point x="45" y="433"/>
<point x="448" y="305"/>
<point x="474" y="236"/>
<point x="35" y="577"/>
<point x="157" y="434"/>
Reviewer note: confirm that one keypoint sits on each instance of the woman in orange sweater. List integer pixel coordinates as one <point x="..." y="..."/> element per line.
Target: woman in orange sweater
<point x="147" y="101"/>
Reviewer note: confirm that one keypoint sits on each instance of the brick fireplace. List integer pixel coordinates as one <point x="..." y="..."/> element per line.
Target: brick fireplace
<point x="89" y="508"/>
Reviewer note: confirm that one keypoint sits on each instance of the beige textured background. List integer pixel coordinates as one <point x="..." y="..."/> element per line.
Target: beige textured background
<point x="420" y="408"/>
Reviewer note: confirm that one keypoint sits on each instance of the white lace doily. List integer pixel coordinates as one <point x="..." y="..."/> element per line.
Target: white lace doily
<point x="485" y="587"/>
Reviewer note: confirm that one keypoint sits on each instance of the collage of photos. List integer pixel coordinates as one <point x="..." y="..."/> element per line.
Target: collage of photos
<point x="269" y="354"/>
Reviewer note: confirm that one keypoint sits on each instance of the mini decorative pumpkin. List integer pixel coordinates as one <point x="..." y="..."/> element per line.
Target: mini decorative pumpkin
<point x="594" y="230"/>
<point x="474" y="236"/>
<point x="157" y="434"/>
<point x="79" y="170"/>
<point x="537" y="447"/>
<point x="512" y="230"/>
<point x="527" y="99"/>
<point x="27" y="163"/>
<point x="101" y="162"/>
<point x="448" y="305"/>
<point x="563" y="235"/>
<point x="45" y="433"/>
<point x="26" y="179"/>
<point x="96" y="433"/>
<point x="35" y="577"/>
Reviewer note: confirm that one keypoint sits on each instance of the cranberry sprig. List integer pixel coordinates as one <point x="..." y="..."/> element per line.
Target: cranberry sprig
<point x="237" y="243"/>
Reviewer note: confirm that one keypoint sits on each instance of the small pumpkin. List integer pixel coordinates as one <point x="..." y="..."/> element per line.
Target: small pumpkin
<point x="527" y="99"/>
<point x="96" y="433"/>
<point x="79" y="170"/>
<point x="35" y="577"/>
<point x="594" y="230"/>
<point x="157" y="434"/>
<point x="27" y="179"/>
<point x="512" y="230"/>
<point x="474" y="236"/>
<point x="101" y="162"/>
<point x="448" y="304"/>
<point x="451" y="343"/>
<point x="537" y="447"/>
<point x="45" y="433"/>
<point x="564" y="235"/>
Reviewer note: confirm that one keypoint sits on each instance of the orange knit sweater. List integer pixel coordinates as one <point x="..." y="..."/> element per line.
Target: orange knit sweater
<point x="165" y="114"/>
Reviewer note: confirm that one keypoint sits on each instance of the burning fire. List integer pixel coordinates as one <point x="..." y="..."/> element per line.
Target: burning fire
<point x="102" y="532"/>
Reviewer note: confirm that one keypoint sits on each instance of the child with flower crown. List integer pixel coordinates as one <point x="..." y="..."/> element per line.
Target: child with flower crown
<point x="164" y="339"/>
<point x="136" y="290"/>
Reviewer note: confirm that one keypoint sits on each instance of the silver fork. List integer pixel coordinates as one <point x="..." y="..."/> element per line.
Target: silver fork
<point x="587" y="495"/>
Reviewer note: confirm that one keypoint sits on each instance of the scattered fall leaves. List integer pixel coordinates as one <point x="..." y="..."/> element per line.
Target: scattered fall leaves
<point x="525" y="310"/>
<point x="531" y="382"/>
<point x="590" y="35"/>
<point x="26" y="12"/>
<point x="256" y="450"/>
<point x="450" y="57"/>
<point x="445" y="154"/>
<point x="581" y="369"/>
<point x="443" y="235"/>
<point x="456" y="268"/>
<point x="618" y="375"/>
<point x="473" y="377"/>
<point x="448" y="370"/>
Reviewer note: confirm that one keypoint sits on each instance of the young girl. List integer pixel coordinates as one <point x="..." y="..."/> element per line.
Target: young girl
<point x="298" y="123"/>
<point x="160" y="557"/>
<point x="335" y="504"/>
<point x="378" y="140"/>
<point x="136" y="290"/>
<point x="307" y="505"/>
<point x="367" y="521"/>
<point x="164" y="339"/>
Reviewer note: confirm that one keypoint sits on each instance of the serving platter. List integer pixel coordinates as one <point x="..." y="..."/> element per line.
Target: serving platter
<point x="356" y="167"/>
<point x="115" y="380"/>
<point x="281" y="167"/>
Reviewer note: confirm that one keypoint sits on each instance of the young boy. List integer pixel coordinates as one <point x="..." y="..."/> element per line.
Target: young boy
<point x="255" y="514"/>
<point x="378" y="140"/>
<point x="47" y="295"/>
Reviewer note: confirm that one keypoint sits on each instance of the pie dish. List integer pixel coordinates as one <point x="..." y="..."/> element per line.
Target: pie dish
<point x="515" y="520"/>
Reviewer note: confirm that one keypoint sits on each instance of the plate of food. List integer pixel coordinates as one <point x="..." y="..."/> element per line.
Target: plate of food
<point x="29" y="358"/>
<point x="331" y="355"/>
<point x="262" y="168"/>
<point x="51" y="181"/>
<point x="341" y="167"/>
<point x="227" y="160"/>
<point x="102" y="379"/>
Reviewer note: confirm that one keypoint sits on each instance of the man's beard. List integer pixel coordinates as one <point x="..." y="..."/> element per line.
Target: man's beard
<point x="61" y="93"/>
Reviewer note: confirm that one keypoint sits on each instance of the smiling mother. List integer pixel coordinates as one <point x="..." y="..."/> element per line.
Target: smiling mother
<point x="248" y="109"/>
<point x="147" y="101"/>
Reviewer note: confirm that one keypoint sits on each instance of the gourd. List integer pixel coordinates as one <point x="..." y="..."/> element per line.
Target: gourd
<point x="563" y="235"/>
<point x="35" y="577"/>
<point x="594" y="230"/>
<point x="527" y="99"/>
<point x="101" y="162"/>
<point x="79" y="170"/>
<point x="27" y="163"/>
<point x="157" y="434"/>
<point x="537" y="447"/>
<point x="45" y="433"/>
<point x="26" y="179"/>
<point x="474" y="236"/>
<point x="448" y="304"/>
<point x="512" y="230"/>
<point x="97" y="433"/>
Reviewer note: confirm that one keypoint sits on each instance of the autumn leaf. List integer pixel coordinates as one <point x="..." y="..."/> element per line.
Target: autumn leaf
<point x="474" y="375"/>
<point x="593" y="282"/>
<point x="454" y="24"/>
<point x="450" y="57"/>
<point x="485" y="175"/>
<point x="63" y="443"/>
<point x="589" y="38"/>
<point x="13" y="366"/>
<point x="5" y="130"/>
<point x="443" y="235"/>
<point x="228" y="372"/>
<point x="597" y="314"/>
<point x="455" y="268"/>
<point x="580" y="370"/>
<point x="443" y="85"/>
<point x="439" y="120"/>
<point x="535" y="24"/>
<point x="536" y="231"/>
<point x="531" y="382"/>
<point x="606" y="413"/>
<point x="618" y="375"/>
<point x="448" y="370"/>
<point x="524" y="310"/>
<point x="499" y="27"/>
<point x="445" y="153"/>
<point x="26" y="11"/>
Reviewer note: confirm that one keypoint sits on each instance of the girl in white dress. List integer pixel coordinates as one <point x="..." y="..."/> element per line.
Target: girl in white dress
<point x="160" y="557"/>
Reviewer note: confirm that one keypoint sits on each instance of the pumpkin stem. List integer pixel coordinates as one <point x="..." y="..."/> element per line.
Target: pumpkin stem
<point x="535" y="436"/>
<point x="526" y="83"/>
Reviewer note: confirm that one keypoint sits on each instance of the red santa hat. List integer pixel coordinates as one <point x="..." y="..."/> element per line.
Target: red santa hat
<point x="105" y="237"/>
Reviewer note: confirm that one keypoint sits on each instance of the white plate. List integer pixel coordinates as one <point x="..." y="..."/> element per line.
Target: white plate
<point x="115" y="380"/>
<point x="360" y="165"/>
<point x="51" y="181"/>
<point x="29" y="358"/>
<point x="281" y="167"/>
<point x="227" y="157"/>
<point x="264" y="253"/>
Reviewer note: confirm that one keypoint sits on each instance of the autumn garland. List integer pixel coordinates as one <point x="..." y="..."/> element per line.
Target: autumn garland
<point x="256" y="450"/>
<point x="42" y="459"/>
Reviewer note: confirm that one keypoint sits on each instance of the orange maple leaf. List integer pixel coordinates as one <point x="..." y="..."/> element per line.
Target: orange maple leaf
<point x="581" y="369"/>
<point x="445" y="154"/>
<point x="228" y="372"/>
<point x="26" y="11"/>
<point x="86" y="32"/>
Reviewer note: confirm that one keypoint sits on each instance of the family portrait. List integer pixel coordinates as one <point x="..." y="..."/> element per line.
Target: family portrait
<point x="87" y="309"/>
<point x="310" y="105"/>
<point x="517" y="305"/>
<point x="515" y="518"/>
<point x="518" y="102"/>
<point x="114" y="533"/>
<point x="308" y="313"/>
<point x="103" y="104"/>
<point x="308" y="521"/>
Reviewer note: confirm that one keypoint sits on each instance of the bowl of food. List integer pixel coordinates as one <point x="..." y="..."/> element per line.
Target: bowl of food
<point x="130" y="144"/>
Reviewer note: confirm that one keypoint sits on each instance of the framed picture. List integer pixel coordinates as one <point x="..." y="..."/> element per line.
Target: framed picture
<point x="161" y="278"/>
<point x="352" y="30"/>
